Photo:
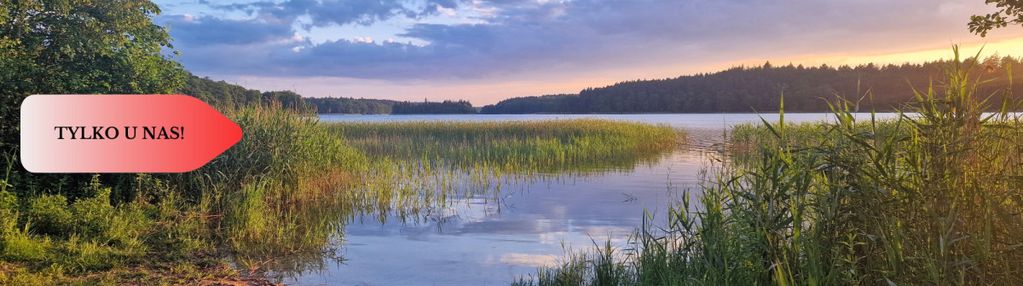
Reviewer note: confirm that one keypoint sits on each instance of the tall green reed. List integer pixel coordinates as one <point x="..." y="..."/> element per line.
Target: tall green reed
<point x="933" y="197"/>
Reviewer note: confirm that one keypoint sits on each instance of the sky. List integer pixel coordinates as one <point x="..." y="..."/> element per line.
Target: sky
<point x="488" y="50"/>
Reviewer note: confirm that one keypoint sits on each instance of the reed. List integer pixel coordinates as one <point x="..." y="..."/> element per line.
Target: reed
<point x="527" y="146"/>
<point x="933" y="197"/>
<point x="274" y="194"/>
<point x="276" y="203"/>
<point x="419" y="167"/>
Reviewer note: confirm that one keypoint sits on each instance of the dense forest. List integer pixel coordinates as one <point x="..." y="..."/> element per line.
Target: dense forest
<point x="739" y="89"/>
<point x="383" y="106"/>
<point x="445" y="107"/>
<point x="230" y="96"/>
<point x="528" y="104"/>
<point x="351" y="105"/>
<point x="748" y="89"/>
<point x="225" y="95"/>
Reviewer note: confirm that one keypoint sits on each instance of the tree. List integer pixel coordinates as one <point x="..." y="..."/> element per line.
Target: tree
<point x="76" y="46"/>
<point x="445" y="107"/>
<point x="1009" y="12"/>
<point x="79" y="46"/>
<point x="746" y="89"/>
<point x="351" y="105"/>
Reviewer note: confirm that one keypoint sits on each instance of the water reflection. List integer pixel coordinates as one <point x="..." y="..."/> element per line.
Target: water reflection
<point x="715" y="121"/>
<point x="486" y="226"/>
<point x="484" y="240"/>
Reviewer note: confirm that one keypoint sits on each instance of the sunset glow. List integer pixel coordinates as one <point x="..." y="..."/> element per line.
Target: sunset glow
<point x="485" y="51"/>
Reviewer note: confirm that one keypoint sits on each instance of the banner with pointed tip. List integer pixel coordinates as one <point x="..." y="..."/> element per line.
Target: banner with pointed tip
<point x="121" y="133"/>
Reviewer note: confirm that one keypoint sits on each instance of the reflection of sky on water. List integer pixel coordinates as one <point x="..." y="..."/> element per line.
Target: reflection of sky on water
<point x="716" y="121"/>
<point x="480" y="241"/>
<point x="486" y="242"/>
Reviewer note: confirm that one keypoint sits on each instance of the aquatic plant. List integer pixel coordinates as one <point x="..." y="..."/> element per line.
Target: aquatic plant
<point x="276" y="203"/>
<point x="525" y="146"/>
<point x="932" y="197"/>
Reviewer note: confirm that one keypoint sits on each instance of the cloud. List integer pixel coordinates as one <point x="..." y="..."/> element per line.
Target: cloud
<point x="550" y="36"/>
<point x="338" y="12"/>
<point x="193" y="31"/>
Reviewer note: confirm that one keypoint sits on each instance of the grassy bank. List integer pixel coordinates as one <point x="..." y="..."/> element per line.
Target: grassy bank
<point x="247" y="206"/>
<point x="934" y="198"/>
<point x="275" y="203"/>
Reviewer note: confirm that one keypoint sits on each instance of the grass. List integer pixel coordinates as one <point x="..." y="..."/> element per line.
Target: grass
<point x="276" y="203"/>
<point x="269" y="196"/>
<point x="934" y="197"/>
<point x="421" y="166"/>
<point x="527" y="146"/>
<point x="929" y="198"/>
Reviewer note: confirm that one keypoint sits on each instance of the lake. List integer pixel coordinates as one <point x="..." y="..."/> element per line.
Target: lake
<point x="533" y="221"/>
<point x="716" y="121"/>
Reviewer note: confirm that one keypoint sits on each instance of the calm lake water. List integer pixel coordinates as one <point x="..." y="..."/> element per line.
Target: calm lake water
<point x="487" y="241"/>
<point x="687" y="121"/>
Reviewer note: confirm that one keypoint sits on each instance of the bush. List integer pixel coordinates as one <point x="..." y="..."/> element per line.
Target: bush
<point x="8" y="212"/>
<point x="49" y="214"/>
<point x="92" y="215"/>
<point x="87" y="255"/>
<point x="18" y="245"/>
<point x="8" y="202"/>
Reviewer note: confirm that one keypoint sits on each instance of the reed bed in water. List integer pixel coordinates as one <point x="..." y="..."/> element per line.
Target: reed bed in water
<point x="281" y="197"/>
<point x="545" y="146"/>
<point x="935" y="198"/>
<point x="278" y="201"/>
<point x="299" y="181"/>
<point x="418" y="167"/>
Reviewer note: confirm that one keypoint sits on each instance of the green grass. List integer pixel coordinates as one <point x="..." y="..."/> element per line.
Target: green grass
<point x="420" y="166"/>
<point x="526" y="146"/>
<point x="277" y="202"/>
<point x="273" y="194"/>
<point x="934" y="197"/>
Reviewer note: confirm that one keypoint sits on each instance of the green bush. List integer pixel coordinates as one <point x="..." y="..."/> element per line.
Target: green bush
<point x="8" y="212"/>
<point x="85" y="255"/>
<point x="8" y="202"/>
<point x="18" y="245"/>
<point x="179" y="229"/>
<point x="92" y="215"/>
<point x="49" y="214"/>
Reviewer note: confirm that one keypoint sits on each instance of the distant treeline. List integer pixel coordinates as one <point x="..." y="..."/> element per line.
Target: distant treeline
<point x="351" y="105"/>
<point x="225" y="95"/>
<point x="529" y="104"/>
<point x="382" y="106"/>
<point x="746" y="89"/>
<point x="445" y="107"/>
<point x="230" y="96"/>
<point x="739" y="89"/>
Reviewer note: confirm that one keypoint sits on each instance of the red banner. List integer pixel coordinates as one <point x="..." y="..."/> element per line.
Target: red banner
<point x="121" y="133"/>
